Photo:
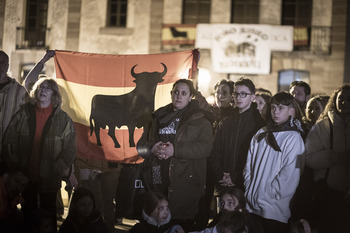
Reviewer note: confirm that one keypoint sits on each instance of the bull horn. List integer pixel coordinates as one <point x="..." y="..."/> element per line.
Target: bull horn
<point x="133" y="74"/>
<point x="165" y="70"/>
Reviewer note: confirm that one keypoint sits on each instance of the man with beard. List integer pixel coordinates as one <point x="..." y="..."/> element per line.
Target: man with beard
<point x="301" y="92"/>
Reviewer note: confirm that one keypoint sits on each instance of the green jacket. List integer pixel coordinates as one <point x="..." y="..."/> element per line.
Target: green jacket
<point x="57" y="147"/>
<point x="187" y="171"/>
<point x="12" y="96"/>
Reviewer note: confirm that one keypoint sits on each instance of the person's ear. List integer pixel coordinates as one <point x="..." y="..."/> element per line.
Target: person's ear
<point x="291" y="112"/>
<point x="307" y="98"/>
<point x="252" y="97"/>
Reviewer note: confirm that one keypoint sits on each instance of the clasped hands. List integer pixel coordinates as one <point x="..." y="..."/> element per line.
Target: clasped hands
<point x="226" y="180"/>
<point x="162" y="150"/>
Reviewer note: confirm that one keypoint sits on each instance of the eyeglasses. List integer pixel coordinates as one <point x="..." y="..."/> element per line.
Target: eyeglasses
<point x="242" y="94"/>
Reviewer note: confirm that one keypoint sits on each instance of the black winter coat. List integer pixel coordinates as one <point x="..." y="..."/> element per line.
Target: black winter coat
<point x="232" y="142"/>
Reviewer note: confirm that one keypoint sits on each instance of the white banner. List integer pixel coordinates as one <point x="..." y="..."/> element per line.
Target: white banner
<point x="280" y="37"/>
<point x="241" y="49"/>
<point x="204" y="36"/>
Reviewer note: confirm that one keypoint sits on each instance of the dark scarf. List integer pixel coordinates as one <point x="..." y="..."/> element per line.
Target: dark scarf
<point x="169" y="115"/>
<point x="290" y="125"/>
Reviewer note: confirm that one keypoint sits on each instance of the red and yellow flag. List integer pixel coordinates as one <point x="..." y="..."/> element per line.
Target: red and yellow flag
<point x="111" y="96"/>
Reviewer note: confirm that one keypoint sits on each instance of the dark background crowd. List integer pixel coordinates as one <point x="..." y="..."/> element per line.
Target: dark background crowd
<point x="250" y="162"/>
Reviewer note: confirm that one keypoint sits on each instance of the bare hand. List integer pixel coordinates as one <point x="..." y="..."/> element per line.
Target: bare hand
<point x="168" y="149"/>
<point x="226" y="180"/>
<point x="158" y="150"/>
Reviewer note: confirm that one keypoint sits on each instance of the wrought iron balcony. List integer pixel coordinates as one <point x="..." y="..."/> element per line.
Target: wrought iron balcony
<point x="316" y="39"/>
<point x="32" y="38"/>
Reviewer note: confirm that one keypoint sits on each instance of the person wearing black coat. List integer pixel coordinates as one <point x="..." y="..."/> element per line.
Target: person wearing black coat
<point x="233" y="135"/>
<point x="83" y="216"/>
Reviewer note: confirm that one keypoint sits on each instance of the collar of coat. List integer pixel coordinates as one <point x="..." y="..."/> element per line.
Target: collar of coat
<point x="154" y="222"/>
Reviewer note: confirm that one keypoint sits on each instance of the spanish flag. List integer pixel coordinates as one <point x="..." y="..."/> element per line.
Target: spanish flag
<point x="111" y="97"/>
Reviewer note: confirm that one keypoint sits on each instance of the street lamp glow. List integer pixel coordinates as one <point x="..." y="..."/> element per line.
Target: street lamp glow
<point x="203" y="79"/>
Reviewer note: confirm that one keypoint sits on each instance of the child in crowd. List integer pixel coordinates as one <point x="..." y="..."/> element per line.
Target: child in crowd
<point x="314" y="108"/>
<point x="233" y="136"/>
<point x="274" y="164"/>
<point x="83" y="216"/>
<point x="156" y="216"/>
<point x="230" y="199"/>
<point x="231" y="222"/>
<point x="262" y="100"/>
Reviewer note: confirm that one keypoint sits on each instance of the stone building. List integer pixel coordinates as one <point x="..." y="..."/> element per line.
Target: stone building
<point x="29" y="27"/>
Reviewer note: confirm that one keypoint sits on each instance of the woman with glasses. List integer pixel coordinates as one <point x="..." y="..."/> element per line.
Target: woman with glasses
<point x="41" y="140"/>
<point x="233" y="136"/>
<point x="175" y="145"/>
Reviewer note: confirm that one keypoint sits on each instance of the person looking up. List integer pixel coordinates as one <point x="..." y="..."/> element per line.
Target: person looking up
<point x="40" y="140"/>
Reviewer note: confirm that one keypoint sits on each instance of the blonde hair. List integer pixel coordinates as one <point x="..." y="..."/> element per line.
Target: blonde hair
<point x="56" y="98"/>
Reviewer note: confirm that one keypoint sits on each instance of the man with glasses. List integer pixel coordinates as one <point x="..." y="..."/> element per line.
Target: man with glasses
<point x="232" y="138"/>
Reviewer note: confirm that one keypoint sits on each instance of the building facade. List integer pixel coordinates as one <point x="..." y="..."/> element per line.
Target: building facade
<point x="319" y="56"/>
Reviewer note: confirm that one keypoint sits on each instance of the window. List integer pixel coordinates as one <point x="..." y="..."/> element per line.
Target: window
<point x="285" y="77"/>
<point x="297" y="12"/>
<point x="36" y="23"/>
<point x="245" y="11"/>
<point x="117" y="12"/>
<point x="196" y="11"/>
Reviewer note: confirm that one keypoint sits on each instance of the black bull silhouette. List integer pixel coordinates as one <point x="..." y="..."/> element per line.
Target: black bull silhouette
<point x="133" y="109"/>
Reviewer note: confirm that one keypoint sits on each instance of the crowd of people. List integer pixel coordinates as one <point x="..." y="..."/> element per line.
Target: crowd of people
<point x="251" y="162"/>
